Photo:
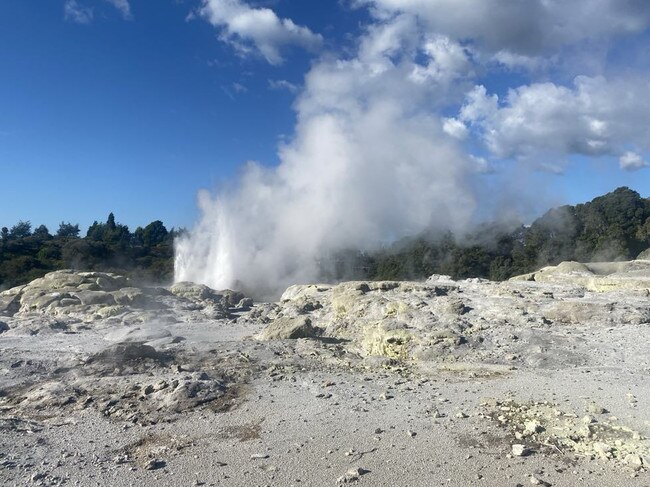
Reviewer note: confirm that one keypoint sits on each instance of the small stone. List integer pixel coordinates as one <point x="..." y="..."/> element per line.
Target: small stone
<point x="461" y="415"/>
<point x="520" y="450"/>
<point x="411" y="433"/>
<point x="594" y="408"/>
<point x="155" y="464"/>
<point x="532" y="427"/>
<point x="602" y="448"/>
<point x="588" y="420"/>
<point x="259" y="456"/>
<point x="351" y="475"/>
<point x="537" y="481"/>
<point x="634" y="461"/>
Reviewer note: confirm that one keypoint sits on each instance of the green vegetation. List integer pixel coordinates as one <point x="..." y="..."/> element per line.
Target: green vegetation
<point x="146" y="254"/>
<point x="615" y="226"/>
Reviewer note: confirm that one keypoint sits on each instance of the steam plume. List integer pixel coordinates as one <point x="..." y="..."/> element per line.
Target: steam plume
<point x="369" y="163"/>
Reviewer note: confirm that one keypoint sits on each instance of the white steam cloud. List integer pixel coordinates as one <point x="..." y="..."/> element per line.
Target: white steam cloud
<point x="369" y="163"/>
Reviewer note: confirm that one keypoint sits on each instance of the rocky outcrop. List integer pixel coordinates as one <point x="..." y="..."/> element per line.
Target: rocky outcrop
<point x="645" y="255"/>
<point x="100" y="298"/>
<point x="441" y="321"/>
<point x="595" y="276"/>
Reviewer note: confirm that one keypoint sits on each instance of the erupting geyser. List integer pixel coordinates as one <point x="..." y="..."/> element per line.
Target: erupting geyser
<point x="369" y="162"/>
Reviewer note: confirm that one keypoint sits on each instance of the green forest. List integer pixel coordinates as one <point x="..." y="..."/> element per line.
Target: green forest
<point x="615" y="226"/>
<point x="147" y="254"/>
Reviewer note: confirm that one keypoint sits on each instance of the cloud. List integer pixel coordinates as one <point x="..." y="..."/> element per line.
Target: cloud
<point x="282" y="84"/>
<point x="239" y="88"/>
<point x="518" y="32"/>
<point x="124" y="8"/>
<point x="546" y="121"/>
<point x="631" y="161"/>
<point x="259" y="30"/>
<point x="73" y="12"/>
<point x="455" y="128"/>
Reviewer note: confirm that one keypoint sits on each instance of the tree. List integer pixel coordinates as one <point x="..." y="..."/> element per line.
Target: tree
<point x="68" y="230"/>
<point x="42" y="232"/>
<point x="4" y="234"/>
<point x="21" y="229"/>
<point x="153" y="234"/>
<point x="110" y="223"/>
<point x="96" y="231"/>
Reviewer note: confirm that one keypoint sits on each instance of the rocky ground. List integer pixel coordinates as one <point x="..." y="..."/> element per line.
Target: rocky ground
<point x="542" y="380"/>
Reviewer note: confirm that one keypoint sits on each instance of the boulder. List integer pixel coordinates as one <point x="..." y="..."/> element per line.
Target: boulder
<point x="289" y="328"/>
<point x="192" y="291"/>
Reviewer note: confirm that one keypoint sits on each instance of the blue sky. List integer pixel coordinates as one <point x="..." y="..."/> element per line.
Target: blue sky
<point x="133" y="107"/>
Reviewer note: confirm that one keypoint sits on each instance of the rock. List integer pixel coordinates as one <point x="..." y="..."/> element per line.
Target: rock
<point x="38" y="476"/>
<point x="603" y="449"/>
<point x="532" y="427"/>
<point x="645" y="255"/>
<point x="535" y="480"/>
<point x="594" y="408"/>
<point x="10" y="301"/>
<point x="259" y="456"/>
<point x="155" y="464"/>
<point x="132" y="296"/>
<point x="245" y="303"/>
<point x="634" y="461"/>
<point x="352" y="475"/>
<point x="289" y="328"/>
<point x="3" y="327"/>
<point x="519" y="450"/>
<point x="192" y="291"/>
<point x="94" y="297"/>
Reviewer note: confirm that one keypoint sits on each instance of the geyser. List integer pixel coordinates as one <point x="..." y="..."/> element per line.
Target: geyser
<point x="369" y="162"/>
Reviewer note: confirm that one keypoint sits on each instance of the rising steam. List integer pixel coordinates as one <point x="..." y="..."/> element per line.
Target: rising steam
<point x="369" y="163"/>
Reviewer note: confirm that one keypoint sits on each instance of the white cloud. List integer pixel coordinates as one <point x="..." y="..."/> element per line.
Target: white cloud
<point x="259" y="30"/>
<point x="631" y="161"/>
<point x="124" y="7"/>
<point x="447" y="61"/>
<point x="282" y="84"/>
<point x="518" y="32"/>
<point x="239" y="88"/>
<point x="517" y="61"/>
<point x="454" y="128"/>
<point x="73" y="12"/>
<point x="542" y="121"/>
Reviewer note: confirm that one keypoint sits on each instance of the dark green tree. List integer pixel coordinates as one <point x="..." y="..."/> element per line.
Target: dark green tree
<point x="42" y="232"/>
<point x="21" y="229"/>
<point x="67" y="229"/>
<point x="153" y="234"/>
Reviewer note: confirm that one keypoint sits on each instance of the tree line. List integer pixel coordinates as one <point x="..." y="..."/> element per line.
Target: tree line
<point x="615" y="226"/>
<point x="146" y="254"/>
